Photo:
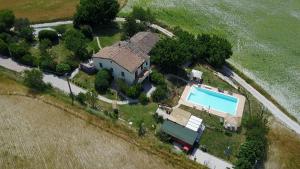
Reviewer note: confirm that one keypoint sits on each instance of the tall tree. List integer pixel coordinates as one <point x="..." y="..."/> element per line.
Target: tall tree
<point x="76" y="42"/>
<point x="7" y="20"/>
<point x="34" y="79"/>
<point x="168" y="54"/>
<point x="23" y="29"/>
<point x="95" y="12"/>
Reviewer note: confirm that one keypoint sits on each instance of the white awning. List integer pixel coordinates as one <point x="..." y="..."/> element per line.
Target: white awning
<point x="194" y="123"/>
<point x="196" y="74"/>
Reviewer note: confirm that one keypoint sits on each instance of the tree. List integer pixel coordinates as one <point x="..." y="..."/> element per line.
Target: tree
<point x="48" y="34"/>
<point x="34" y="79"/>
<point x="103" y="80"/>
<point x="157" y="78"/>
<point x="143" y="99"/>
<point x="91" y="97"/>
<point x="95" y="12"/>
<point x="63" y="68"/>
<point x="76" y="42"/>
<point x="3" y="48"/>
<point x="131" y="27"/>
<point x="134" y="91"/>
<point x="142" y="14"/>
<point x="81" y="98"/>
<point x="159" y="94"/>
<point x="168" y="54"/>
<point x="7" y="19"/>
<point x="61" y="29"/>
<point x="18" y="50"/>
<point x="29" y="60"/>
<point x="87" y="31"/>
<point x="23" y="29"/>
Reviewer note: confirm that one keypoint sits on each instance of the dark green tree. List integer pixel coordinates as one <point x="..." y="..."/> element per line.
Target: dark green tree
<point x="23" y="29"/>
<point x="7" y="20"/>
<point x="103" y="80"/>
<point x="142" y="14"/>
<point x="48" y="34"/>
<point x="168" y="54"/>
<point x="76" y="42"/>
<point x="159" y="94"/>
<point x="18" y="50"/>
<point x="3" y="48"/>
<point x="143" y="99"/>
<point x="95" y="12"/>
<point x="131" y="27"/>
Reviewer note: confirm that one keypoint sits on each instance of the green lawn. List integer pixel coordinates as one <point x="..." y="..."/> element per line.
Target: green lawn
<point x="109" y="34"/>
<point x="216" y="142"/>
<point x="136" y="113"/>
<point x="60" y="53"/>
<point x="265" y="36"/>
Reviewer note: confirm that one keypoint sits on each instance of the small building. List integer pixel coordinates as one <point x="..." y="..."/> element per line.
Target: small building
<point x="88" y="67"/>
<point x="186" y="137"/>
<point x="128" y="60"/>
<point x="196" y="75"/>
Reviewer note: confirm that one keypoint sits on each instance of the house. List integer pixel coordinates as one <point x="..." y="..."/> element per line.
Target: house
<point x="186" y="137"/>
<point x="128" y="60"/>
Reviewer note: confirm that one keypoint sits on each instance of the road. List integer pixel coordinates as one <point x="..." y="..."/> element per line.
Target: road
<point x="118" y="19"/>
<point x="210" y="161"/>
<point x="268" y="104"/>
<point x="56" y="81"/>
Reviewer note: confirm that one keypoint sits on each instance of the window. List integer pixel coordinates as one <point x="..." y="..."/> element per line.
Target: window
<point x="146" y="63"/>
<point x="100" y="64"/>
<point x="123" y="74"/>
<point x="111" y="70"/>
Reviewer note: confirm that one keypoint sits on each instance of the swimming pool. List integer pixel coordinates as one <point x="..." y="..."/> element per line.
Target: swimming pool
<point x="213" y="100"/>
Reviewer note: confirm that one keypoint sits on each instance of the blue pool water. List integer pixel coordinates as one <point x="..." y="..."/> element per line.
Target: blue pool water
<point x="213" y="100"/>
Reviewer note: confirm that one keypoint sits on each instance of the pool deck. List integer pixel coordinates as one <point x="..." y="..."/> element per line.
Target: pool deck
<point x="228" y="119"/>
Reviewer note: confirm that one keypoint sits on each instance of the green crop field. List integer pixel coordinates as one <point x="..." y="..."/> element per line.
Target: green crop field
<point x="265" y="35"/>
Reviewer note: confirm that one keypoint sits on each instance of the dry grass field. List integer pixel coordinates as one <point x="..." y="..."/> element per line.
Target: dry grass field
<point x="34" y="134"/>
<point x="284" y="148"/>
<point x="43" y="10"/>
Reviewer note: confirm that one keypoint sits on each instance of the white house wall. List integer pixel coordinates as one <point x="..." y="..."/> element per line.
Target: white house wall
<point x="117" y="70"/>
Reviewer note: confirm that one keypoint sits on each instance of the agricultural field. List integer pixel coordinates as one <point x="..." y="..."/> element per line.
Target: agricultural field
<point x="43" y="10"/>
<point x="36" y="135"/>
<point x="265" y="35"/>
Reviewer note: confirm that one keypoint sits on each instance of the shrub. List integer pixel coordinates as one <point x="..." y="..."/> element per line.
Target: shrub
<point x="143" y="99"/>
<point x="63" y="68"/>
<point x="163" y="136"/>
<point x="61" y="29"/>
<point x="134" y="91"/>
<point x="159" y="94"/>
<point x="34" y="79"/>
<point x="157" y="78"/>
<point x="122" y="86"/>
<point x="29" y="60"/>
<point x="87" y="31"/>
<point x="18" y="50"/>
<point x="103" y="80"/>
<point x="142" y="129"/>
<point x="23" y="29"/>
<point x="48" y="34"/>
<point x="81" y="98"/>
<point x="3" y="48"/>
<point x="158" y="118"/>
<point x="48" y="63"/>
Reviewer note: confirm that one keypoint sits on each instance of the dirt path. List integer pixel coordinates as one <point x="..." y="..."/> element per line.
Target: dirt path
<point x="36" y="135"/>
